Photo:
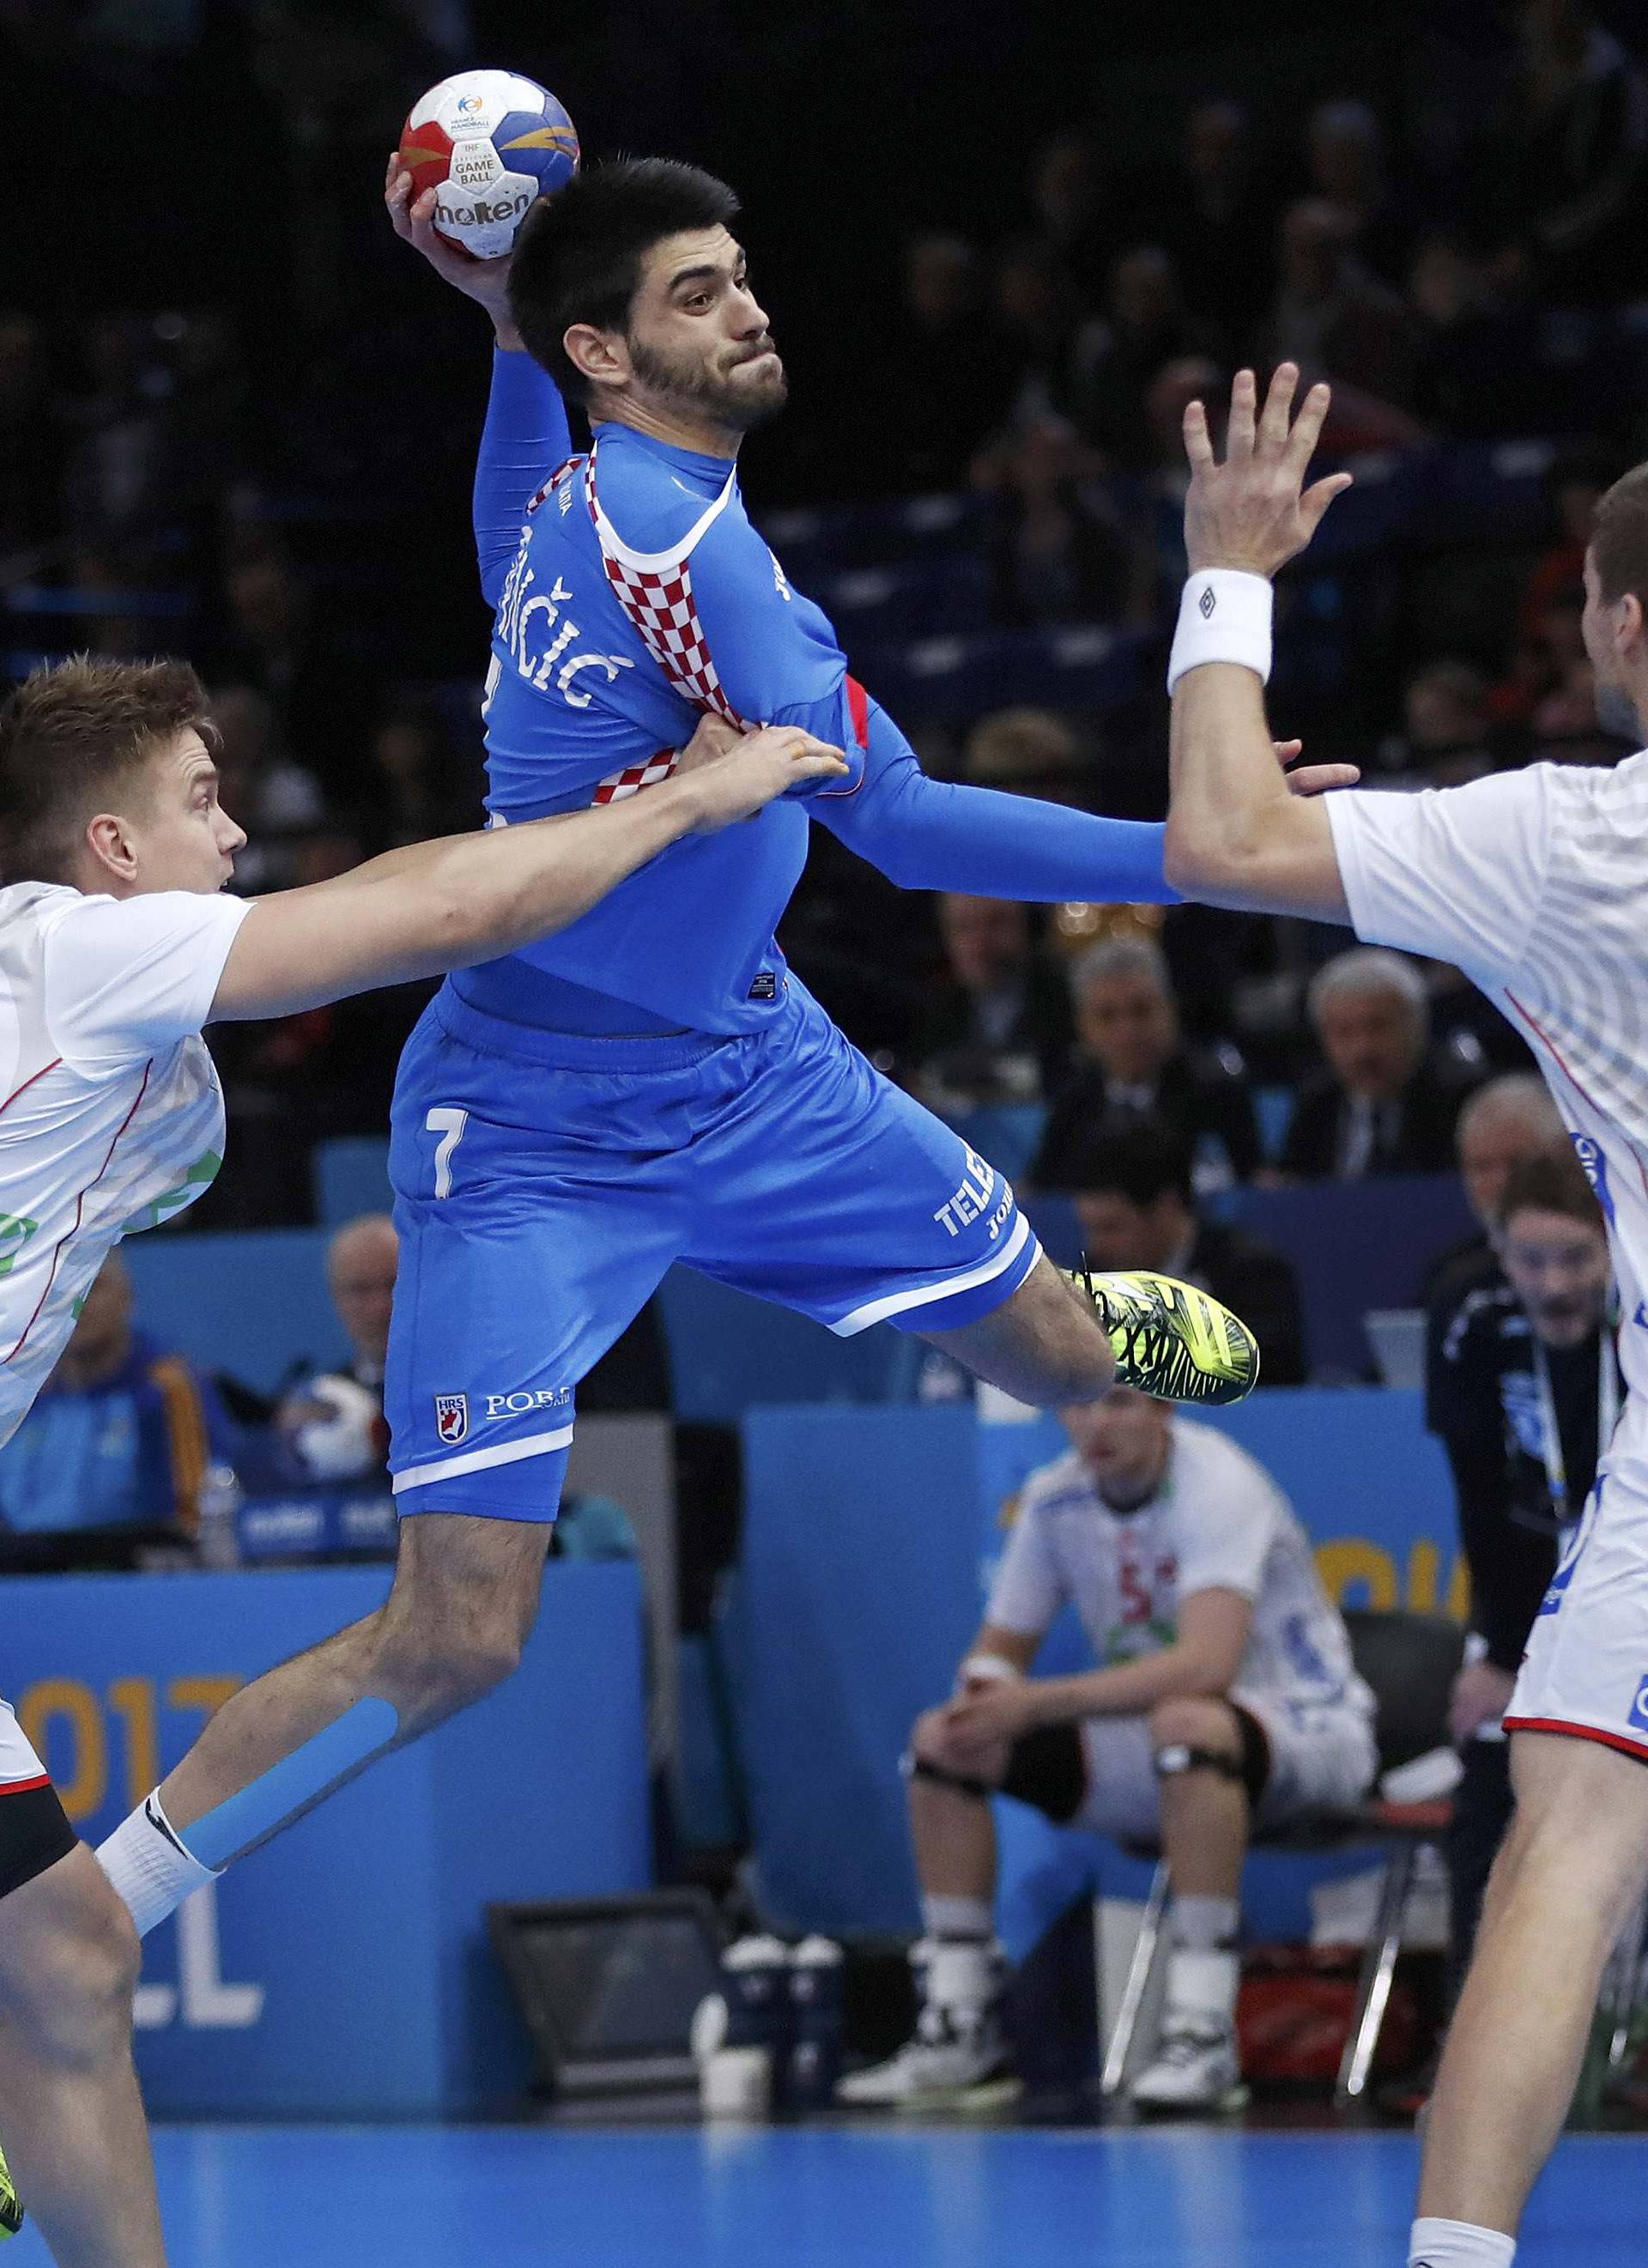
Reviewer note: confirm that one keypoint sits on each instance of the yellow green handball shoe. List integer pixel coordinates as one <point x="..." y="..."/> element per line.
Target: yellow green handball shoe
<point x="1170" y="1340"/>
<point x="10" y="2205"/>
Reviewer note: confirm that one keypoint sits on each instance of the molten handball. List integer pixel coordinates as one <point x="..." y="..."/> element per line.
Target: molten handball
<point x="488" y="142"/>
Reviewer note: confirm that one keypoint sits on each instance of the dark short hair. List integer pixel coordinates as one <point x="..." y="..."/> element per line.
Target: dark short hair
<point x="579" y="254"/>
<point x="76" y="736"/>
<point x="1619" y="538"/>
<point x="1551" y="1180"/>
<point x="1137" y="1156"/>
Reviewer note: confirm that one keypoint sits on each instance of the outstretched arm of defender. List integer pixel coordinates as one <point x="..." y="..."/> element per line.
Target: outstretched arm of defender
<point x="1235" y="836"/>
<point x="437" y="906"/>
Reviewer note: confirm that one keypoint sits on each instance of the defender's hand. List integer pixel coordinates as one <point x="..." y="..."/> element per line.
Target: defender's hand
<point x="758" y="768"/>
<point x="1253" y="512"/>
<point x="1003" y="1710"/>
<point x="714" y="738"/>
<point x="1481" y="1696"/>
<point x="1313" y="779"/>
<point x="484" y="281"/>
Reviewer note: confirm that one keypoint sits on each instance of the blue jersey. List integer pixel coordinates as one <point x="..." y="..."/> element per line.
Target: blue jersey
<point x="633" y="595"/>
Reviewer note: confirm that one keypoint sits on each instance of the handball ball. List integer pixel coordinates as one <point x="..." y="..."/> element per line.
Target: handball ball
<point x="347" y="1440"/>
<point x="488" y="142"/>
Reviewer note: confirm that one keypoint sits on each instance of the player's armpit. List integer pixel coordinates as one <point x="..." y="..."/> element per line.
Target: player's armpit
<point x="1236" y="837"/>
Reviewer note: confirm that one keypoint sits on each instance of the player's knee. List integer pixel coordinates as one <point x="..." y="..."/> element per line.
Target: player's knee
<point x="1193" y="1721"/>
<point x="927" y="1736"/>
<point x="427" y="1673"/>
<point x="73" y="2002"/>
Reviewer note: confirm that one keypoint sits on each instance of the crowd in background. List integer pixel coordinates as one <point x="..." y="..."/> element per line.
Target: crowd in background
<point x="256" y="449"/>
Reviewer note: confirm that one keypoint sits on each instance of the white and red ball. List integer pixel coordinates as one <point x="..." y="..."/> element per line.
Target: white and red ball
<point x="488" y="142"/>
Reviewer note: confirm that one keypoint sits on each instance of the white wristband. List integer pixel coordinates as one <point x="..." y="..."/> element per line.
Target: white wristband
<point x="979" y="1667"/>
<point x="1225" y="616"/>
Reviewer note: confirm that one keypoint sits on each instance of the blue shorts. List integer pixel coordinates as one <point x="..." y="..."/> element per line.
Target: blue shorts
<point x="545" y="1182"/>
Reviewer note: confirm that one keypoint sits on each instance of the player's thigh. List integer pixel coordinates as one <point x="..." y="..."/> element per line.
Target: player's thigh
<point x="67" y="1945"/>
<point x="525" y="1251"/>
<point x="1123" y="1797"/>
<point x="35" y="1836"/>
<point x="1319" y="1761"/>
<point x="831" y="1191"/>
<point x="465" y="1585"/>
<point x="1581" y="1819"/>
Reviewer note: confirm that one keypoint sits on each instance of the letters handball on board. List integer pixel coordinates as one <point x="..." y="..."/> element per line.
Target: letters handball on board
<point x="488" y="142"/>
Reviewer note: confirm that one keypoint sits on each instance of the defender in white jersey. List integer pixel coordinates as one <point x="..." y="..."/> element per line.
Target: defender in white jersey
<point x="115" y="947"/>
<point x="1225" y="1696"/>
<point x="1536" y="884"/>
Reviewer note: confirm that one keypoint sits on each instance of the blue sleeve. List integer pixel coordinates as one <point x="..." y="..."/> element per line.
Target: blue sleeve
<point x="525" y="440"/>
<point x="930" y="834"/>
<point x="774" y="651"/>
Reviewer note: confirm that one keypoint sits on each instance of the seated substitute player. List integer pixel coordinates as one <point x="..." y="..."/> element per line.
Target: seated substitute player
<point x="1225" y="1696"/>
<point x="1535" y="884"/>
<point x="568" y="1123"/>
<point x="116" y="946"/>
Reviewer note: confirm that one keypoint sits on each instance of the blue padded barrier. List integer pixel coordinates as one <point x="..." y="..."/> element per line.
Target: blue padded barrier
<point x="344" y="1971"/>
<point x="253" y="1302"/>
<point x="352" y="1176"/>
<point x="1355" y="1246"/>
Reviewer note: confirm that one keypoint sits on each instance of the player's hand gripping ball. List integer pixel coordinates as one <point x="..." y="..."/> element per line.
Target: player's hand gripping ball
<point x="488" y="142"/>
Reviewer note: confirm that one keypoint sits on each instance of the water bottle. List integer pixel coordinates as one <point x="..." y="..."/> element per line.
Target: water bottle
<point x="218" y="1506"/>
<point x="815" y="2003"/>
<point x="756" y="1984"/>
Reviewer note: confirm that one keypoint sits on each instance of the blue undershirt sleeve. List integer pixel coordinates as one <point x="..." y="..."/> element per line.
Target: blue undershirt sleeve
<point x="776" y="656"/>
<point x="930" y="835"/>
<point x="525" y="440"/>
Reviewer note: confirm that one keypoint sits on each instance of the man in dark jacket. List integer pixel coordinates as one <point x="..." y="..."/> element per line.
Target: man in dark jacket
<point x="1133" y="1062"/>
<point x="1526" y="1396"/>
<point x="1134" y="1194"/>
<point x="1380" y="1107"/>
<point x="999" y="1029"/>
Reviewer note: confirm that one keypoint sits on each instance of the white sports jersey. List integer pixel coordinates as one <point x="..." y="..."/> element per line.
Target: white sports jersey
<point x="1535" y="884"/>
<point x="111" y="1116"/>
<point x="1218" y="1521"/>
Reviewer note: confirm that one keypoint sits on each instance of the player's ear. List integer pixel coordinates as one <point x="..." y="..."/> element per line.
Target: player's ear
<point x="602" y="357"/>
<point x="1631" y="624"/>
<point x="111" y="856"/>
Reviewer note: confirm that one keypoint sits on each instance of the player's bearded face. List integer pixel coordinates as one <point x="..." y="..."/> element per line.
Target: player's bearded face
<point x="735" y="383"/>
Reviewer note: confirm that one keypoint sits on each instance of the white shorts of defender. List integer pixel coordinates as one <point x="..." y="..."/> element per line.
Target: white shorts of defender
<point x="1322" y="1759"/>
<point x="1585" y="1669"/>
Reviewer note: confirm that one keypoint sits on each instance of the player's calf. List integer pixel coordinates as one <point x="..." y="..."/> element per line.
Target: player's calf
<point x="1210" y="1764"/>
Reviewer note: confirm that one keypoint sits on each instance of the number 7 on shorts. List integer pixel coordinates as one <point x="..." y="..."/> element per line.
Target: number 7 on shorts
<point x="449" y="1125"/>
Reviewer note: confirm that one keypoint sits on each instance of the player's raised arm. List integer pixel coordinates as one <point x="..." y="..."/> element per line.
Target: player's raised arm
<point x="438" y="906"/>
<point x="525" y="435"/>
<point x="1235" y="836"/>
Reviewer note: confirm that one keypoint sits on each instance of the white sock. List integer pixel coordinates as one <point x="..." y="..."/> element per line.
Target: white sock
<point x="944" y="1916"/>
<point x="1457" y="2244"/>
<point x="1204" y="1924"/>
<point x="960" y="1973"/>
<point x="149" y="1867"/>
<point x="1202" y="1988"/>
